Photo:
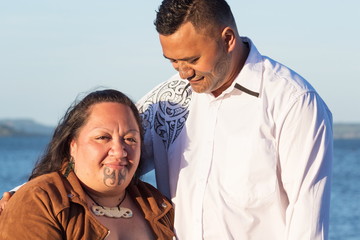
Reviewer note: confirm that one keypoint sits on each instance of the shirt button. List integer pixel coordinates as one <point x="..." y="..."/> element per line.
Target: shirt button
<point x="163" y="205"/>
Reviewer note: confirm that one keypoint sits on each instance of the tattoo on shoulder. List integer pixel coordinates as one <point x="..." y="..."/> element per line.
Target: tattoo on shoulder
<point x="167" y="109"/>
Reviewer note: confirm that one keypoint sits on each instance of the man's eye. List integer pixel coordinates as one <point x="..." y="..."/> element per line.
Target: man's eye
<point x="193" y="61"/>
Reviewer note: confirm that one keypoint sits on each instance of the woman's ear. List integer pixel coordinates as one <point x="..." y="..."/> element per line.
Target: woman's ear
<point x="229" y="38"/>
<point x="73" y="148"/>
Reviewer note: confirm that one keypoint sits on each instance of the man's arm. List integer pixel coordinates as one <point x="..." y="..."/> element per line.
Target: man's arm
<point x="164" y="111"/>
<point x="306" y="151"/>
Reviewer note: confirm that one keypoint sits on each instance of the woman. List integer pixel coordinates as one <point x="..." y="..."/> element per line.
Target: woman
<point x="85" y="186"/>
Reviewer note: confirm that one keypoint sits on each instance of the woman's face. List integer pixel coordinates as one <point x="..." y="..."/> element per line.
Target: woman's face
<point x="106" y="150"/>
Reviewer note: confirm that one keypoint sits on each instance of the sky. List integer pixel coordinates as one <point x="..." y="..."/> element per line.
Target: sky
<point x="53" y="51"/>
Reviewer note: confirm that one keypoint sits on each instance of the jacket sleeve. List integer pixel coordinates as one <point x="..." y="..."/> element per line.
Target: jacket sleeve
<point x="29" y="215"/>
<point x="306" y="152"/>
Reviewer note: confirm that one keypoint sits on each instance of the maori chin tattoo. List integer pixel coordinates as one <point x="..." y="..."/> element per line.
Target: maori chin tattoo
<point x="114" y="177"/>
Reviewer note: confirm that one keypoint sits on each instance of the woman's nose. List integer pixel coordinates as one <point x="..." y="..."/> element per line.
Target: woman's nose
<point x="118" y="149"/>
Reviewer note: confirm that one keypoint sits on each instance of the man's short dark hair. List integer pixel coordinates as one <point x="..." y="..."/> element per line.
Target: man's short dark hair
<point x="203" y="14"/>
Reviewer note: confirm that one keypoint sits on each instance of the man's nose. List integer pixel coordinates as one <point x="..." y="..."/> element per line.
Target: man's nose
<point x="185" y="71"/>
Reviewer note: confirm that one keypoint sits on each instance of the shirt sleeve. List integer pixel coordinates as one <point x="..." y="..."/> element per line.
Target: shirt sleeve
<point x="146" y="110"/>
<point x="306" y="152"/>
<point x="162" y="110"/>
<point x="153" y="155"/>
<point x="28" y="215"/>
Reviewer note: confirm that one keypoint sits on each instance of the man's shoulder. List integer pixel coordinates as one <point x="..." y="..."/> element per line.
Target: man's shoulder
<point x="169" y="99"/>
<point x="279" y="75"/>
<point x="165" y="109"/>
<point x="174" y="90"/>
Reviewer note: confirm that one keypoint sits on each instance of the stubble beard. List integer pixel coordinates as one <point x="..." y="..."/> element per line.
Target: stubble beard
<point x="221" y="72"/>
<point x="215" y="80"/>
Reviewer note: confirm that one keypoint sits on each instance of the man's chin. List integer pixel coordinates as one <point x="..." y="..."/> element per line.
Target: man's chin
<point x="197" y="89"/>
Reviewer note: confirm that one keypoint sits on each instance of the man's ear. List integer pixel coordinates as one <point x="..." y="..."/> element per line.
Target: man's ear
<point x="229" y="38"/>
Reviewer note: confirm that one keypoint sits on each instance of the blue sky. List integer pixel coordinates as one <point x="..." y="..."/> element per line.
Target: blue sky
<point x="51" y="51"/>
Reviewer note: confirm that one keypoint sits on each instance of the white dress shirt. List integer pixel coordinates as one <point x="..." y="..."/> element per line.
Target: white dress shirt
<point x="252" y="163"/>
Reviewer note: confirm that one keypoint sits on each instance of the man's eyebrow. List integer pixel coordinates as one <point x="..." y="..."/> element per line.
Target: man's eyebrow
<point x="181" y="59"/>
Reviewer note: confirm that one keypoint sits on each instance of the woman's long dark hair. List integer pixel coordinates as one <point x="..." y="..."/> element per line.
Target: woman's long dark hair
<point x="58" y="150"/>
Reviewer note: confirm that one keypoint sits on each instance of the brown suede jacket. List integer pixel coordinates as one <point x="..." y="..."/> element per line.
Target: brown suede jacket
<point x="54" y="207"/>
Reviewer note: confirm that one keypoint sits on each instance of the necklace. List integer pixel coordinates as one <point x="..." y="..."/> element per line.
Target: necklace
<point x="114" y="212"/>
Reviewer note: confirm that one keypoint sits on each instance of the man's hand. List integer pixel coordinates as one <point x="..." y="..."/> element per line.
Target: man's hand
<point x="5" y="198"/>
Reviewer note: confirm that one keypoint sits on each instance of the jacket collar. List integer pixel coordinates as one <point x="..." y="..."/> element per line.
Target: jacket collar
<point x="152" y="204"/>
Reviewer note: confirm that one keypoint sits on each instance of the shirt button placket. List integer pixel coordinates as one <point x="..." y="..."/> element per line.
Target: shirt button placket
<point x="208" y="152"/>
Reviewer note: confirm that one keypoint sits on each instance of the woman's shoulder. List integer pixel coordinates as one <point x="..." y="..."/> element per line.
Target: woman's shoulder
<point x="36" y="206"/>
<point x="46" y="182"/>
<point x="48" y="189"/>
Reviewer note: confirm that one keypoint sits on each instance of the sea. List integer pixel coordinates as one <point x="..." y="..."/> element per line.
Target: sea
<point x="19" y="154"/>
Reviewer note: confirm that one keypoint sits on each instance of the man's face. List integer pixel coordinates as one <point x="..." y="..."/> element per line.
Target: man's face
<point x="201" y="59"/>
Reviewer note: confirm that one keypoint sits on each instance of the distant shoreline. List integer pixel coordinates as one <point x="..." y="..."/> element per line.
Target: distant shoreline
<point x="23" y="127"/>
<point x="346" y="130"/>
<point x="28" y="127"/>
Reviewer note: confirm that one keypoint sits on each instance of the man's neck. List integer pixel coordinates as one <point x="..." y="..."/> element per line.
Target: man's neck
<point x="240" y="54"/>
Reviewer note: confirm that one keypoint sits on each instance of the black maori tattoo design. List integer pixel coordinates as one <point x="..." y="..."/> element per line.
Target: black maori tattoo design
<point x="110" y="176"/>
<point x="167" y="109"/>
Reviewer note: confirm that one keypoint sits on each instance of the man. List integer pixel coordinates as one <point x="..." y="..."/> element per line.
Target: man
<point x="241" y="143"/>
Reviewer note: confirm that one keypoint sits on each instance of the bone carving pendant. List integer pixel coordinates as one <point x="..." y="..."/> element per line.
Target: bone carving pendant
<point x="114" y="212"/>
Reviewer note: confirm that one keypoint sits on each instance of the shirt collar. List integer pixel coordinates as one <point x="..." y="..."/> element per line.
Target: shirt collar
<point x="250" y="77"/>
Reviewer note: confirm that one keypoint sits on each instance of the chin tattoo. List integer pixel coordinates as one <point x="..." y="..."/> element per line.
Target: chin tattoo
<point x="114" y="177"/>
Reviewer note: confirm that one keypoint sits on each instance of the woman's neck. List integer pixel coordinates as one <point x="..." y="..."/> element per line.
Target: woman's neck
<point x="105" y="199"/>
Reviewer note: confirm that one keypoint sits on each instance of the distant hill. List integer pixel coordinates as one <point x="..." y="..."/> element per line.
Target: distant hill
<point x="23" y="127"/>
<point x="347" y="130"/>
<point x="19" y="127"/>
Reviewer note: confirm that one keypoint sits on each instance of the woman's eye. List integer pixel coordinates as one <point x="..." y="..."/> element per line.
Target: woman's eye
<point x="103" y="138"/>
<point x="131" y="140"/>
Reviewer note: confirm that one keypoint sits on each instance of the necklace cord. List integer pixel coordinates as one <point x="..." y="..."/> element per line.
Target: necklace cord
<point x="102" y="205"/>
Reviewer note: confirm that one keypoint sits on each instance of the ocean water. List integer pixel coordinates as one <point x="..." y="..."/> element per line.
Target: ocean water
<point x="19" y="154"/>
